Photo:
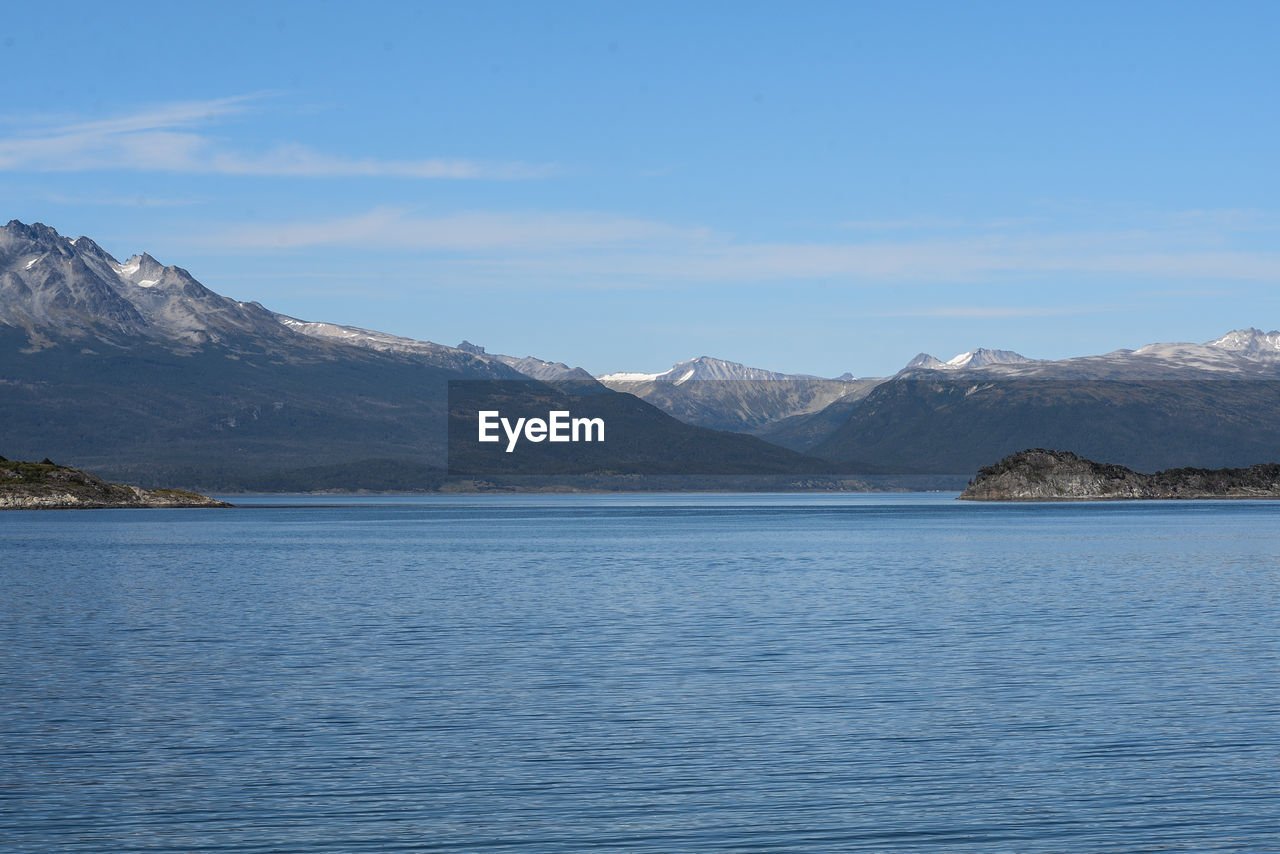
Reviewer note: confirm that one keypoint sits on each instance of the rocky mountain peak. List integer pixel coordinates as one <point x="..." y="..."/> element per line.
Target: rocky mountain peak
<point x="145" y="271"/>
<point x="924" y="361"/>
<point x="982" y="357"/>
<point x="979" y="358"/>
<point x="36" y="231"/>
<point x="1250" y="342"/>
<point x="54" y="287"/>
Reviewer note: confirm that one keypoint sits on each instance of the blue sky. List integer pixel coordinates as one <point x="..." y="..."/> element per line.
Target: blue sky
<point x="808" y="187"/>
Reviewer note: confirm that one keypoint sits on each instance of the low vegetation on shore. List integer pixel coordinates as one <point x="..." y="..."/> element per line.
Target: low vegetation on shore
<point x="47" y="485"/>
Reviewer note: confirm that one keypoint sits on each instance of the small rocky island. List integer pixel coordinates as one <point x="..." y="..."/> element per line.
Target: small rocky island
<point x="1042" y="475"/>
<point x="48" y="486"/>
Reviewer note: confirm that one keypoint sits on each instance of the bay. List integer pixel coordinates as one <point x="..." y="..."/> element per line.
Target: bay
<point x="794" y="673"/>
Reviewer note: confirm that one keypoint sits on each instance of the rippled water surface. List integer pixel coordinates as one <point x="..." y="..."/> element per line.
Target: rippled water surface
<point x="604" y="673"/>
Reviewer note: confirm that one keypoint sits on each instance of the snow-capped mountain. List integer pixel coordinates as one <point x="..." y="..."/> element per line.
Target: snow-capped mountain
<point x="701" y="368"/>
<point x="1250" y="342"/>
<point x="732" y="396"/>
<point x="1245" y="352"/>
<point x="982" y="357"/>
<point x="53" y="287"/>
<point x="979" y="358"/>
<point x="1241" y="352"/>
<point x="51" y="284"/>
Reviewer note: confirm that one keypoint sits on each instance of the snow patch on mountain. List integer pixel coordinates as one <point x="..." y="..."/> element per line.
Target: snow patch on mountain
<point x="979" y="358"/>
<point x="1251" y="342"/>
<point x="370" y="339"/>
<point x="1241" y="352"/>
<point x="701" y="368"/>
<point x="630" y="377"/>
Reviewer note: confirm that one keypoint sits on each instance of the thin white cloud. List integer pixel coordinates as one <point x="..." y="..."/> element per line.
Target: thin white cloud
<point x="610" y="251"/>
<point x="882" y="264"/>
<point x="179" y="114"/>
<point x="167" y="139"/>
<point x="391" y="228"/>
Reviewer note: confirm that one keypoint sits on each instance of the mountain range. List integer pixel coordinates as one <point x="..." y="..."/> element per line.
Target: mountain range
<point x="137" y="371"/>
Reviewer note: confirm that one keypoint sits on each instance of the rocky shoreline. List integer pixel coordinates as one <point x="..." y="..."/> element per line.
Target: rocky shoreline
<point x="1046" y="475"/>
<point x="48" y="486"/>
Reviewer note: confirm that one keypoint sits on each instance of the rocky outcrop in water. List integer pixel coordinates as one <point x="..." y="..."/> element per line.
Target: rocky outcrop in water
<point x="48" y="486"/>
<point x="1044" y="475"/>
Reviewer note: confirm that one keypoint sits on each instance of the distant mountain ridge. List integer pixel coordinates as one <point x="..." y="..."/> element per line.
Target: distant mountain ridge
<point x="1246" y="352"/>
<point x="979" y="358"/>
<point x="727" y="395"/>
<point x="702" y="368"/>
<point x="530" y="366"/>
<point x="1158" y="407"/>
<point x="1165" y="404"/>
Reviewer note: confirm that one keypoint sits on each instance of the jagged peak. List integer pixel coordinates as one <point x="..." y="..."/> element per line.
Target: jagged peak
<point x="1252" y="341"/>
<point x="36" y="231"/>
<point x="87" y="244"/>
<point x="33" y="228"/>
<point x="473" y="349"/>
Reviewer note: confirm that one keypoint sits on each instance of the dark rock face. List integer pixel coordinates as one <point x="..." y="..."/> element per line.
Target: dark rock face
<point x="1044" y="475"/>
<point x="48" y="486"/>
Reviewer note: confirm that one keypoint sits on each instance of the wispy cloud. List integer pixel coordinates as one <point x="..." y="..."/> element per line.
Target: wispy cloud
<point x="167" y="138"/>
<point x="393" y="228"/>
<point x="932" y="263"/>
<point x="172" y="115"/>
<point x="602" y="250"/>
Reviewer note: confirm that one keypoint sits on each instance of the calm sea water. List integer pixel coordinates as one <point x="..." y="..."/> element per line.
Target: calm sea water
<point x="642" y="674"/>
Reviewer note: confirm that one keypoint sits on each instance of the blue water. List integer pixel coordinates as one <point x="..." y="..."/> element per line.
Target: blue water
<point x="642" y="674"/>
